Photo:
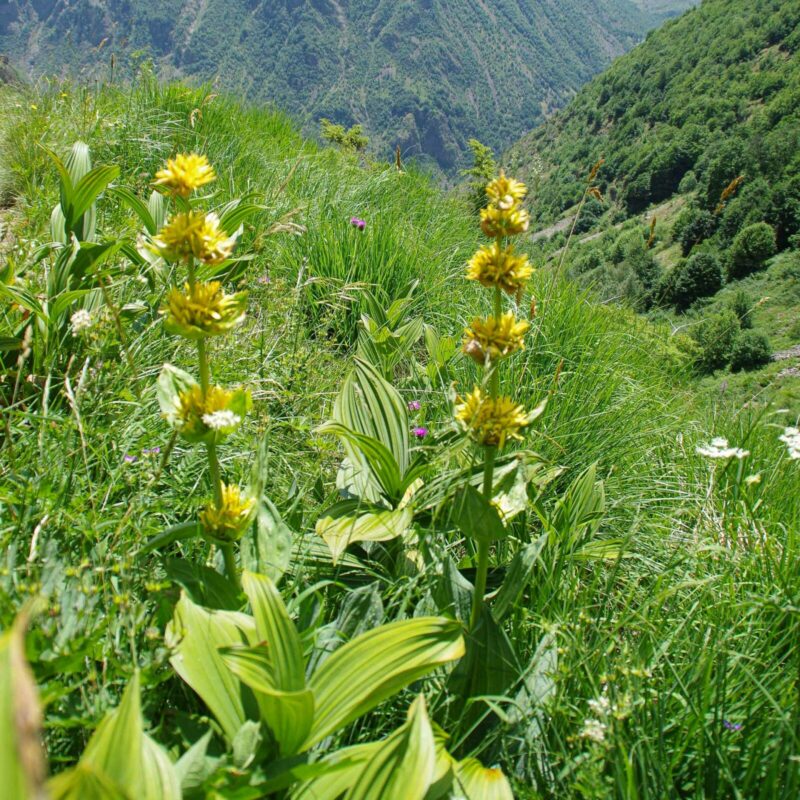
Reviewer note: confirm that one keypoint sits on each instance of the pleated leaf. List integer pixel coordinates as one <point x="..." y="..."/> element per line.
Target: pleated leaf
<point x="289" y="714"/>
<point x="196" y="634"/>
<point x="376" y="665"/>
<point x="349" y="521"/>
<point x="477" y="782"/>
<point x="122" y="756"/>
<point x="274" y="626"/>
<point x="404" y="765"/>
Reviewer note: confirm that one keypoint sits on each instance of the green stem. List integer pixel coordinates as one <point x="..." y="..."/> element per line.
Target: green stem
<point x="230" y="565"/>
<point x="488" y="485"/>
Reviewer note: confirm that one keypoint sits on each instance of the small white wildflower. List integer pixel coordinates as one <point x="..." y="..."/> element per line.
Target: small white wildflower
<point x="791" y="437"/>
<point x="80" y="321"/>
<point x="594" y="729"/>
<point x="752" y="480"/>
<point x="221" y="420"/>
<point x="719" y="449"/>
<point x="601" y="707"/>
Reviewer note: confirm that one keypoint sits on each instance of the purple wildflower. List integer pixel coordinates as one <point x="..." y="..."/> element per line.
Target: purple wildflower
<point x="151" y="451"/>
<point x="420" y="432"/>
<point x="356" y="222"/>
<point x="414" y="405"/>
<point x="265" y="279"/>
<point x="732" y="726"/>
<point x="129" y="459"/>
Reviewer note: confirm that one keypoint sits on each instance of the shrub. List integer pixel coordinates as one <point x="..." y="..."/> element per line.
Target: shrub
<point x="715" y="337"/>
<point x="698" y="276"/>
<point x="751" y="350"/>
<point x="741" y="305"/>
<point x="751" y="248"/>
<point x="693" y="226"/>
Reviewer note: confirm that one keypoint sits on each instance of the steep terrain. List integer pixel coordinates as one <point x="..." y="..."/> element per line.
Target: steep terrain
<point x="700" y="219"/>
<point x="425" y="75"/>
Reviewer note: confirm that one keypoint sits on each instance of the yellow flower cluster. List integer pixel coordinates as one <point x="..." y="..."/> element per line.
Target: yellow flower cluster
<point x="203" y="310"/>
<point x="194" y="234"/>
<point x="193" y="406"/>
<point x="226" y="522"/>
<point x="494" y="267"/>
<point x="185" y="173"/>
<point x="494" y="338"/>
<point x="490" y="420"/>
<point x="504" y="216"/>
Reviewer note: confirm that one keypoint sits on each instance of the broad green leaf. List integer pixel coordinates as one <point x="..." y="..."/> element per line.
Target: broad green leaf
<point x="341" y="770"/>
<point x="377" y="665"/>
<point x="195" y="635"/>
<point x="157" y="206"/>
<point x="538" y="687"/>
<point x="22" y="763"/>
<point x="404" y="765"/>
<point x="289" y="714"/>
<point x="370" y="405"/>
<point x="122" y="755"/>
<point x="490" y="666"/>
<point x="235" y="213"/>
<point x="171" y="382"/>
<point x="266" y="547"/>
<point x="477" y="782"/>
<point x="135" y="204"/>
<point x="274" y="626"/>
<point x="194" y="766"/>
<point x="452" y="591"/>
<point x="176" y="533"/>
<point x="518" y="575"/>
<point x="381" y="462"/>
<point x="476" y="517"/>
<point x="352" y="521"/>
<point x="85" y="192"/>
<point x="83" y="782"/>
<point x="203" y="584"/>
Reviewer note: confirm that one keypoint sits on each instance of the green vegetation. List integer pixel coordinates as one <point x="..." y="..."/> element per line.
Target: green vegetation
<point x="424" y="76"/>
<point x="638" y="632"/>
<point x="699" y="131"/>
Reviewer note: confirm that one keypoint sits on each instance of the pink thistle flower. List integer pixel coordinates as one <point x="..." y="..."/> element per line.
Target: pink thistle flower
<point x="356" y="222"/>
<point x="420" y="432"/>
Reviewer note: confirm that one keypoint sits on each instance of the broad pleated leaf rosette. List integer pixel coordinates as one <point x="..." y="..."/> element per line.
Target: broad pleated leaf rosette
<point x="490" y="420"/>
<point x="225" y="521"/>
<point x="198" y="417"/>
<point x="184" y="174"/>
<point x="194" y="234"/>
<point x="203" y="310"/>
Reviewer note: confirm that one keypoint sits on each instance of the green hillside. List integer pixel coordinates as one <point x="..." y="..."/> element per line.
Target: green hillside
<point x="636" y="634"/>
<point x="425" y="76"/>
<point x="700" y="131"/>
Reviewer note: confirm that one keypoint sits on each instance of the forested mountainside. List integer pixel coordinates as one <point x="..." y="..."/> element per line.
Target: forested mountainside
<point x="425" y="75"/>
<point x="697" y="217"/>
<point x="715" y="93"/>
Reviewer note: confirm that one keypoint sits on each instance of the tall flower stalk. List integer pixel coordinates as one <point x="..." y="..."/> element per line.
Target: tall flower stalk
<point x="199" y="310"/>
<point x="489" y="417"/>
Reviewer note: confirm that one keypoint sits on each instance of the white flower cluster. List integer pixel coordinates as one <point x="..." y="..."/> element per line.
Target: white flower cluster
<point x="80" y="321"/>
<point x="595" y="728"/>
<point x="719" y="449"/>
<point x="791" y="437"/>
<point x="221" y="420"/>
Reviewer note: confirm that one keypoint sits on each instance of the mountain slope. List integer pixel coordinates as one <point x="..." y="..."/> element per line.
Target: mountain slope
<point x="700" y="220"/>
<point x="716" y="92"/>
<point x="426" y="75"/>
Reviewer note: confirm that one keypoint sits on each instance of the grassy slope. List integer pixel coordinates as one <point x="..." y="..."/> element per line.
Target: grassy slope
<point x="686" y="631"/>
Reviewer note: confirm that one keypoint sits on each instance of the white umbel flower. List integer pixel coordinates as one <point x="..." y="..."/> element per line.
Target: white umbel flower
<point x="719" y="449"/>
<point x="80" y="321"/>
<point x="595" y="730"/>
<point x="791" y="437"/>
<point x="221" y="420"/>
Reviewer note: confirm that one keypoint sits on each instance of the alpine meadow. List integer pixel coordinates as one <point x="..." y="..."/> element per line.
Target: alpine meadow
<point x="335" y="466"/>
